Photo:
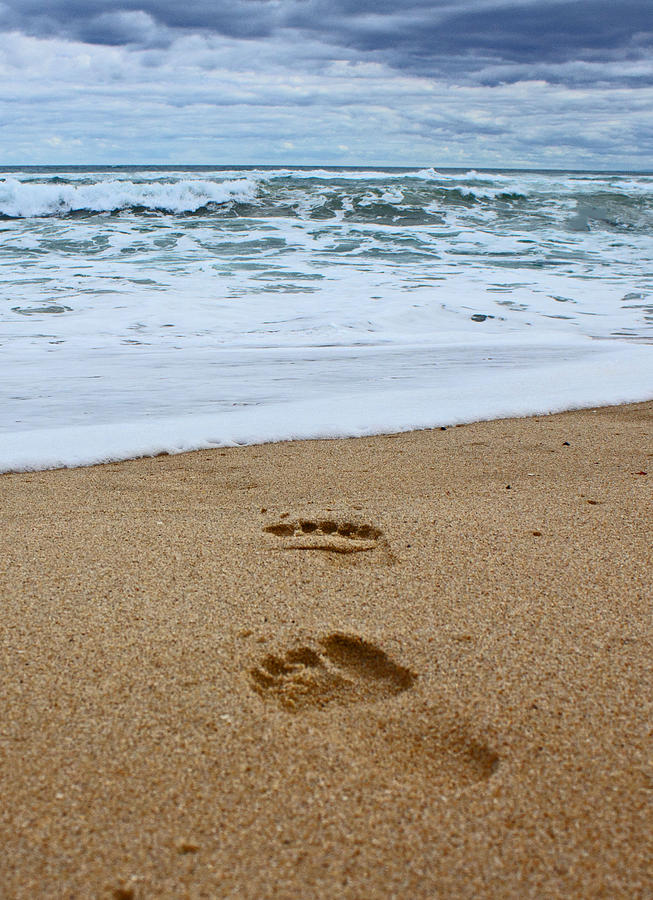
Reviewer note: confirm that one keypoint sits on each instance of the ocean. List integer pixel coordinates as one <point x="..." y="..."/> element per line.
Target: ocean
<point x="149" y="309"/>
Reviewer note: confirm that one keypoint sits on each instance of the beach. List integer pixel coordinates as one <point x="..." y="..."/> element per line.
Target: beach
<point x="414" y="666"/>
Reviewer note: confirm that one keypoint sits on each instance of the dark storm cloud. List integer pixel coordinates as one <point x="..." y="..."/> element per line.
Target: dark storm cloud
<point x="468" y="37"/>
<point x="429" y="38"/>
<point x="553" y="33"/>
<point x="117" y="22"/>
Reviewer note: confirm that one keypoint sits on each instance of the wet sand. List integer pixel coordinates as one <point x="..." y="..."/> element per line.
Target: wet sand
<point x="410" y="666"/>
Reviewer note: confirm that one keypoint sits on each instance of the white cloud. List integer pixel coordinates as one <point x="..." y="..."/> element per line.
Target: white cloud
<point x="222" y="100"/>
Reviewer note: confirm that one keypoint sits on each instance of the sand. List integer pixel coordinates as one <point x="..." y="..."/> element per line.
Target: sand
<point x="410" y="666"/>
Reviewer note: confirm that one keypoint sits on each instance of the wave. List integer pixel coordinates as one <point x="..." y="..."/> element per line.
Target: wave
<point x="21" y="200"/>
<point x="410" y="198"/>
<point x="537" y="377"/>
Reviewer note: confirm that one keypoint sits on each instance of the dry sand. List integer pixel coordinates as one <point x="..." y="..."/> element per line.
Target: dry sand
<point x="411" y="666"/>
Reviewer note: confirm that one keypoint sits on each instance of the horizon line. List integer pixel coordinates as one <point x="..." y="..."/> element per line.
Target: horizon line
<point x="369" y="166"/>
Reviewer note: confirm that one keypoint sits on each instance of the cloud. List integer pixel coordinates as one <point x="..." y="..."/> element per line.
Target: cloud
<point x="124" y="27"/>
<point x="205" y="101"/>
<point x="459" y="41"/>
<point x="121" y="21"/>
<point x="473" y="82"/>
<point x="432" y="37"/>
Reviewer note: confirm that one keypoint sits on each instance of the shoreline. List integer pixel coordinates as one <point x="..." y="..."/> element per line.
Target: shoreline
<point x="565" y="376"/>
<point x="411" y="665"/>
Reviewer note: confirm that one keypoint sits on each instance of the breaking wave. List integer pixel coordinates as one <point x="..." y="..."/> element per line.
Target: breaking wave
<point x="24" y="200"/>
<point x="524" y="201"/>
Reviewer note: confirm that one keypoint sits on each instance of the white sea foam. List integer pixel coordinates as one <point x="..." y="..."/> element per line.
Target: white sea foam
<point x="428" y="398"/>
<point x="20" y="199"/>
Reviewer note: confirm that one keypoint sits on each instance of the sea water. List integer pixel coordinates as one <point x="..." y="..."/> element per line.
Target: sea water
<point x="148" y="309"/>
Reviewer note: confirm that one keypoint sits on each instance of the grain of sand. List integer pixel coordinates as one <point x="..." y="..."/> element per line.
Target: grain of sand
<point x="410" y="666"/>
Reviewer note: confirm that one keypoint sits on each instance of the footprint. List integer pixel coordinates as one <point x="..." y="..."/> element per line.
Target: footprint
<point x="344" y="670"/>
<point x="326" y="534"/>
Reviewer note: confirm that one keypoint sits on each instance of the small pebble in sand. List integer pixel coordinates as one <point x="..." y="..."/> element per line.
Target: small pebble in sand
<point x="187" y="847"/>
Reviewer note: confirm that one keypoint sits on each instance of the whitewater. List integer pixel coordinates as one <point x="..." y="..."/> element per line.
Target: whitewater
<point x="147" y="310"/>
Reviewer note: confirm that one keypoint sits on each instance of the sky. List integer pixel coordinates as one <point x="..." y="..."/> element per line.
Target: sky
<point x="481" y="83"/>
